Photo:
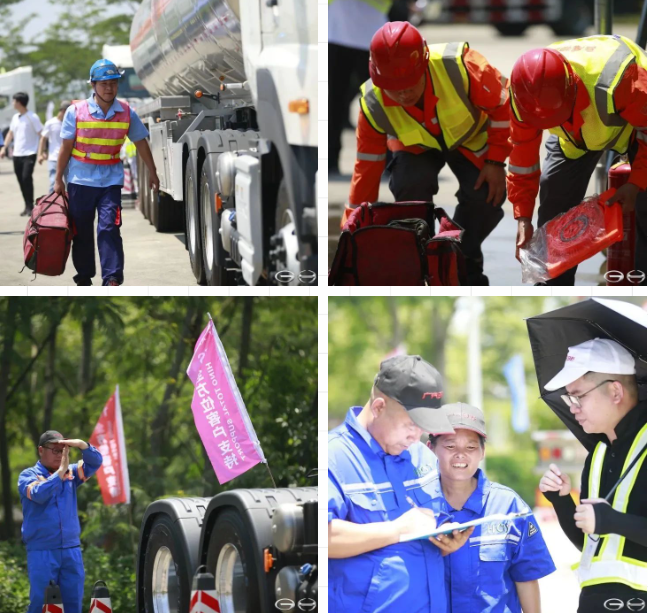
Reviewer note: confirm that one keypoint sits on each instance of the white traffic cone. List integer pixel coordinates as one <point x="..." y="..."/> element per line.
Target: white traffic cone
<point x="203" y="594"/>
<point x="100" y="600"/>
<point x="53" y="602"/>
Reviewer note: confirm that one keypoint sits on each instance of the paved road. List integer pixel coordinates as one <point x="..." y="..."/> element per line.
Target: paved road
<point x="150" y="258"/>
<point x="500" y="264"/>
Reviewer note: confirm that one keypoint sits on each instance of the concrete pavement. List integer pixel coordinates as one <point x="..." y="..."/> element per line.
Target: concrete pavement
<point x="151" y="258"/>
<point x="499" y="248"/>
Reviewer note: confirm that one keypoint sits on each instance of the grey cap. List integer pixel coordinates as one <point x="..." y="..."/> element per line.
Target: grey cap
<point x="418" y="386"/>
<point x="462" y="415"/>
<point x="51" y="436"/>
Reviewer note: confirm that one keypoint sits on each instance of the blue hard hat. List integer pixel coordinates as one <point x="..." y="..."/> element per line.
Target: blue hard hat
<point x="104" y="70"/>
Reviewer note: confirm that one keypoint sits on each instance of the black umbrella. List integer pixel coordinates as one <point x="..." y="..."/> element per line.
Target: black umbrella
<point x="551" y="334"/>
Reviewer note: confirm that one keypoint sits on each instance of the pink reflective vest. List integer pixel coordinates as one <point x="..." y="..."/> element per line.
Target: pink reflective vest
<point x="99" y="141"/>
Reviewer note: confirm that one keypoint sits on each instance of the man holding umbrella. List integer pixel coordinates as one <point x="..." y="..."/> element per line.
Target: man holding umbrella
<point x="609" y="525"/>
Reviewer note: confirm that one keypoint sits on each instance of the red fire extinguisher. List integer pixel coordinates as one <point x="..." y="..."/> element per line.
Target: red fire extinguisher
<point x="620" y="256"/>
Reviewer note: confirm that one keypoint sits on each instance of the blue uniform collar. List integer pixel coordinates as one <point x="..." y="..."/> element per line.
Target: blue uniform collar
<point x="42" y="469"/>
<point x="352" y="423"/>
<point x="93" y="107"/>
<point x="478" y="498"/>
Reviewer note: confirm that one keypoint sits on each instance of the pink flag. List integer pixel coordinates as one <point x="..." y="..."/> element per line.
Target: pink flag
<point x="108" y="438"/>
<point x="219" y="411"/>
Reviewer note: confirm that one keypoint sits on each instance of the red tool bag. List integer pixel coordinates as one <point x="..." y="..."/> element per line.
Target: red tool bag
<point x="394" y="244"/>
<point x="48" y="235"/>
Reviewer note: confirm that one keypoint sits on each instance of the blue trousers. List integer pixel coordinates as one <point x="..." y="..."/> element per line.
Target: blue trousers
<point x="106" y="201"/>
<point x="65" y="568"/>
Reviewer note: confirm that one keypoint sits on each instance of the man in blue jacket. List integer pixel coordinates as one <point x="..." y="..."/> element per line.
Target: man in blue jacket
<point x="51" y="527"/>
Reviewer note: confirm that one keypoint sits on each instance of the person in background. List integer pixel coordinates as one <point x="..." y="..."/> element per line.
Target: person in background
<point x="51" y="135"/>
<point x="24" y="130"/>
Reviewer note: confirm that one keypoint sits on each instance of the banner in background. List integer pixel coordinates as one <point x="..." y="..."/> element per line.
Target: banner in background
<point x="219" y="412"/>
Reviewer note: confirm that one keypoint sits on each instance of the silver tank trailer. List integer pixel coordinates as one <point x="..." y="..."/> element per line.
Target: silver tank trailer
<point x="179" y="46"/>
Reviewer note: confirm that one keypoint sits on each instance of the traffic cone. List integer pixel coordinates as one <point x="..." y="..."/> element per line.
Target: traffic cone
<point x="100" y="598"/>
<point x="203" y="594"/>
<point x="53" y="602"/>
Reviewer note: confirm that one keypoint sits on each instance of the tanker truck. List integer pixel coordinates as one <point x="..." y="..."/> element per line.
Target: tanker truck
<point x="233" y="131"/>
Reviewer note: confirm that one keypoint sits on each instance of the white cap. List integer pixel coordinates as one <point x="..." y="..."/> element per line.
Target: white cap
<point x="597" y="355"/>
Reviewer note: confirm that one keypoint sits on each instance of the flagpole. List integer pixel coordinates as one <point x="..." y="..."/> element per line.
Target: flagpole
<point x="271" y="477"/>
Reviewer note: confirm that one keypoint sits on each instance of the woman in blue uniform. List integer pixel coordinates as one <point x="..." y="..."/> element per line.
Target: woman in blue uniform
<point x="499" y="570"/>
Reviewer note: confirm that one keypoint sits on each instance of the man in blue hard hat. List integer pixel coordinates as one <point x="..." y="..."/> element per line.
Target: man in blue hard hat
<point x="92" y="134"/>
<point x="50" y="527"/>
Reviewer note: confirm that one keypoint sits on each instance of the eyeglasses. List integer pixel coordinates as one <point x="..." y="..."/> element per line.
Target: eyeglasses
<point x="54" y="450"/>
<point x="571" y="400"/>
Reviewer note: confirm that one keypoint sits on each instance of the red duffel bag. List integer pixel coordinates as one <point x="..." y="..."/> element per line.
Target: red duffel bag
<point x="48" y="235"/>
<point x="395" y="244"/>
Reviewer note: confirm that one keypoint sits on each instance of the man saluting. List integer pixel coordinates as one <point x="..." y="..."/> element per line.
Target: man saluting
<point x="51" y="527"/>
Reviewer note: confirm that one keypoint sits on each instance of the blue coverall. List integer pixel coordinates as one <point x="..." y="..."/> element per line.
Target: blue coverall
<point x="51" y="529"/>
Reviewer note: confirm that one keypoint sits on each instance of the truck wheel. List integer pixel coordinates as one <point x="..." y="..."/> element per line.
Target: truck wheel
<point x="193" y="222"/>
<point x="211" y="241"/>
<point x="166" y="586"/>
<point x="511" y="29"/>
<point x="286" y="245"/>
<point x="230" y="557"/>
<point x="575" y="19"/>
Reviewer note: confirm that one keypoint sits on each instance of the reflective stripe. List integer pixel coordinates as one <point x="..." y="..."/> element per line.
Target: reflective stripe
<point x="641" y="136"/>
<point x="421" y="481"/>
<point x="495" y="538"/>
<point x="371" y="157"/>
<point x="617" y="571"/>
<point x="374" y="110"/>
<point x="366" y="488"/>
<point x="100" y="141"/>
<point x="351" y="206"/>
<point x="449" y="58"/>
<point x="499" y="124"/>
<point x="480" y="152"/>
<point x="524" y="170"/>
<point x="103" y="124"/>
<point x="622" y="56"/>
<point x="29" y="488"/>
<point x="95" y="156"/>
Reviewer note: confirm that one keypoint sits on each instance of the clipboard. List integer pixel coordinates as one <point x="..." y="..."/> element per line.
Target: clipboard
<point x="448" y="528"/>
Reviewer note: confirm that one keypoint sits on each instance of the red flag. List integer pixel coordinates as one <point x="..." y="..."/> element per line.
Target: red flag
<point x="108" y="438"/>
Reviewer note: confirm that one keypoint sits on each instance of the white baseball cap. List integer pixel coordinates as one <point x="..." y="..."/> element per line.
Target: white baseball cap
<point x="597" y="355"/>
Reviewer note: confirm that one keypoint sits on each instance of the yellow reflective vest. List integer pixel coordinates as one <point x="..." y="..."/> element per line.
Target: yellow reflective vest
<point x="461" y="122"/>
<point x="609" y="565"/>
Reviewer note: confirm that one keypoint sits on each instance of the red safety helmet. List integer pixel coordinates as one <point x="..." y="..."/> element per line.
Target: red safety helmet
<point x="398" y="56"/>
<point x="543" y="88"/>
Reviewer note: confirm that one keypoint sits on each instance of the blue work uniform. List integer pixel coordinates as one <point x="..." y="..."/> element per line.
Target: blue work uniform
<point x="367" y="485"/>
<point x="51" y="529"/>
<point x="97" y="187"/>
<point x="481" y="575"/>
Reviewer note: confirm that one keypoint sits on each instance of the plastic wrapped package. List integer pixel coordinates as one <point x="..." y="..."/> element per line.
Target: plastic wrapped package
<point x="572" y="237"/>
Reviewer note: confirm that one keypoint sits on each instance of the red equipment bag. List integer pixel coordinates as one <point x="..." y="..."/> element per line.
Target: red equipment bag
<point x="571" y="238"/>
<point x="621" y="255"/>
<point x="394" y="244"/>
<point x="48" y="235"/>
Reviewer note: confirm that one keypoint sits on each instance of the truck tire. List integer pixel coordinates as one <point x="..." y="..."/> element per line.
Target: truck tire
<point x="194" y="242"/>
<point x="230" y="557"/>
<point x="284" y="217"/>
<point x="511" y="29"/>
<point x="212" y="247"/>
<point x="166" y="585"/>
<point x="575" y="19"/>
